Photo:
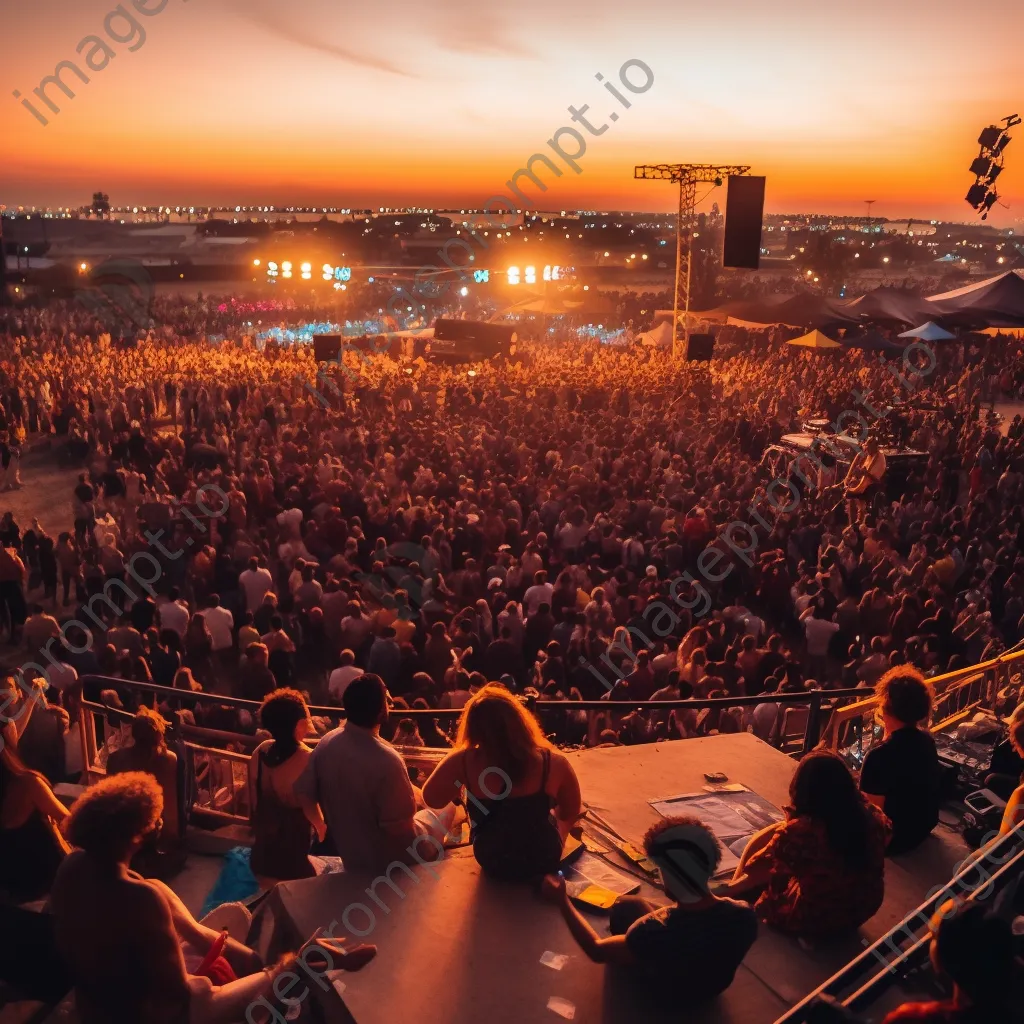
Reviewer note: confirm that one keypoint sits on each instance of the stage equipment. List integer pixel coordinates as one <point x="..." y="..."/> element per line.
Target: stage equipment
<point x="471" y="341"/>
<point x="326" y="347"/>
<point x="700" y="348"/>
<point x="744" y="215"/>
<point x="988" y="165"/>
<point x="688" y="177"/>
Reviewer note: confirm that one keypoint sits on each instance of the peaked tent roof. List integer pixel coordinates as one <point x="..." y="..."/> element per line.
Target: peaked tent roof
<point x="980" y="289"/>
<point x="998" y="301"/>
<point x="930" y="331"/>
<point x="897" y="305"/>
<point x="659" y="336"/>
<point x="814" y="340"/>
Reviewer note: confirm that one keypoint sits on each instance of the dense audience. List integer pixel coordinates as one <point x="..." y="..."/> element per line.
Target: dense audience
<point x="447" y="555"/>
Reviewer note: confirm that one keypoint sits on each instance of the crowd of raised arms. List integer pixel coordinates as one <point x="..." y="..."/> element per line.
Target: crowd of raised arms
<point x="583" y="522"/>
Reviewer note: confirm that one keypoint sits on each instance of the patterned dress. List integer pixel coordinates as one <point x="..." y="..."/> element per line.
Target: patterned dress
<point x="811" y="890"/>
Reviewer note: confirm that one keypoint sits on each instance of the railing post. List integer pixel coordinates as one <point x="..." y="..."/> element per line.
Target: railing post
<point x="812" y="728"/>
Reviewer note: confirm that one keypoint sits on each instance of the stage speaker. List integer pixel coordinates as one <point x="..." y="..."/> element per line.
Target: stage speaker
<point x="701" y="348"/>
<point x="326" y="347"/>
<point x="744" y="212"/>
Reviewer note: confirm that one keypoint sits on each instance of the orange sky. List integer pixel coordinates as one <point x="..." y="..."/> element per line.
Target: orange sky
<point x="437" y="104"/>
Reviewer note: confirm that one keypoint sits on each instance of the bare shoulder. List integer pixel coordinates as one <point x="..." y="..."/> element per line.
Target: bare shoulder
<point x="561" y="766"/>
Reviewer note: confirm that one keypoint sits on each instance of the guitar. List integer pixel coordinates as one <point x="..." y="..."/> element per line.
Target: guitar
<point x="860" y="480"/>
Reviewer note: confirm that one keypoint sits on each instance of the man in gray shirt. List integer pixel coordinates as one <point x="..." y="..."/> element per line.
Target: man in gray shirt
<point x="363" y="788"/>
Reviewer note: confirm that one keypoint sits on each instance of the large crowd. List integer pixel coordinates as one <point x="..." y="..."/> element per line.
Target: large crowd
<point x="583" y="522"/>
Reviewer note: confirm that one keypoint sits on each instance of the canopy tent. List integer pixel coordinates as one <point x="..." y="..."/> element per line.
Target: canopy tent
<point x="888" y="305"/>
<point x="995" y="302"/>
<point x="804" y="309"/>
<point x="870" y="341"/>
<point x="657" y="337"/>
<point x="930" y="331"/>
<point x="814" y="340"/>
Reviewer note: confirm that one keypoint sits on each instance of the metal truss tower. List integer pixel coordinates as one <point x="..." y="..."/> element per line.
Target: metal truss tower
<point x="688" y="177"/>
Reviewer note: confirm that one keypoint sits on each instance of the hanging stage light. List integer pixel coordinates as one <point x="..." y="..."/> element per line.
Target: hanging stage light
<point x="988" y="165"/>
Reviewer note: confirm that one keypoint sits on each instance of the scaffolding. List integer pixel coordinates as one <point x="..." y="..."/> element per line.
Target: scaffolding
<point x="688" y="177"/>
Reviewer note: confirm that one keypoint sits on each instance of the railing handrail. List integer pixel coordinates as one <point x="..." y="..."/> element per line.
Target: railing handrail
<point x="889" y="972"/>
<point x="696" y="703"/>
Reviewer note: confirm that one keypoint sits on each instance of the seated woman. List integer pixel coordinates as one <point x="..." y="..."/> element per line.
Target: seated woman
<point x="148" y="753"/>
<point x="31" y="845"/>
<point x="522" y="796"/>
<point x="901" y="776"/>
<point x="822" y="869"/>
<point x="282" y="829"/>
<point x="123" y="937"/>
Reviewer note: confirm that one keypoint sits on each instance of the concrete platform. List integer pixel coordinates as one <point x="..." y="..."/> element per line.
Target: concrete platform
<point x="458" y="948"/>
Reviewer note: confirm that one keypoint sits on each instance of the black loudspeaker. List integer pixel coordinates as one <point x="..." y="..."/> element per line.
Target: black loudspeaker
<point x="744" y="212"/>
<point x="701" y="348"/>
<point x="326" y="347"/>
<point x="473" y="331"/>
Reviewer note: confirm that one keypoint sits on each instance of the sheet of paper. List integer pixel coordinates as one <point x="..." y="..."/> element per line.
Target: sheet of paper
<point x="592" y="870"/>
<point x="556" y="961"/>
<point x="562" y="1007"/>
<point x="733" y="815"/>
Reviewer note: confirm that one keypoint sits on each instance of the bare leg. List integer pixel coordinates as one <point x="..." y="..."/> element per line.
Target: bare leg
<point x="225" y="1004"/>
<point x="201" y="938"/>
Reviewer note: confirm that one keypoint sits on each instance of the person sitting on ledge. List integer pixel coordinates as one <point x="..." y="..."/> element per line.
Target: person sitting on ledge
<point x="698" y="941"/>
<point x="362" y="785"/>
<point x="522" y="795"/>
<point x="821" y="869"/>
<point x="973" y="951"/>
<point x="124" y="938"/>
<point x="901" y="776"/>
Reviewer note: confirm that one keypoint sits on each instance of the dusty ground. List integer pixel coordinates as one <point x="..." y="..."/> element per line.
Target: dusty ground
<point x="45" y="493"/>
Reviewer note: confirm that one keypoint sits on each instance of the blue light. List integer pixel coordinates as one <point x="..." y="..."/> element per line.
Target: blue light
<point x="370" y="279"/>
<point x="481" y="276"/>
<point x="343" y="273"/>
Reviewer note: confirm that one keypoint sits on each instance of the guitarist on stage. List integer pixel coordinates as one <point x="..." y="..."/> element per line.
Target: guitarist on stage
<point x="864" y="479"/>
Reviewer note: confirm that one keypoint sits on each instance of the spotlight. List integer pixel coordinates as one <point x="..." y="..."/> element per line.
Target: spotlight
<point x="984" y="167"/>
<point x="988" y="165"/>
<point x="977" y="194"/>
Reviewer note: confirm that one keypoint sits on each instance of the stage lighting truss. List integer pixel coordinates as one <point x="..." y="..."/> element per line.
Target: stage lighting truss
<point x="982" y="195"/>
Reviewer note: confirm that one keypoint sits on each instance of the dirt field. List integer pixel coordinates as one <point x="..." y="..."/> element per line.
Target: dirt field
<point x="45" y="494"/>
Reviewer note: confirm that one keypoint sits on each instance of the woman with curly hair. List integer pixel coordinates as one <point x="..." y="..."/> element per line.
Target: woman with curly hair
<point x="901" y="776"/>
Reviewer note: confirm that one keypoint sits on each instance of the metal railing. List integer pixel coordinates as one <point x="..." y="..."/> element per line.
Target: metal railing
<point x="217" y="761"/>
<point x="957" y="696"/>
<point x="905" y="946"/>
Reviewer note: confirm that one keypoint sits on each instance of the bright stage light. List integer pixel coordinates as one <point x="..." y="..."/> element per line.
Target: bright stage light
<point x="530" y="275"/>
<point x="513" y="275"/>
<point x="306" y="267"/>
<point x="463" y="291"/>
<point x="255" y="263"/>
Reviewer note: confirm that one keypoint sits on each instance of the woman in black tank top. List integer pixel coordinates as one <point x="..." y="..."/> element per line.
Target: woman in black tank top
<point x="521" y="796"/>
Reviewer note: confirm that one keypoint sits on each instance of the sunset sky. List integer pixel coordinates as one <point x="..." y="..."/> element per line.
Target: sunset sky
<point x="400" y="102"/>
